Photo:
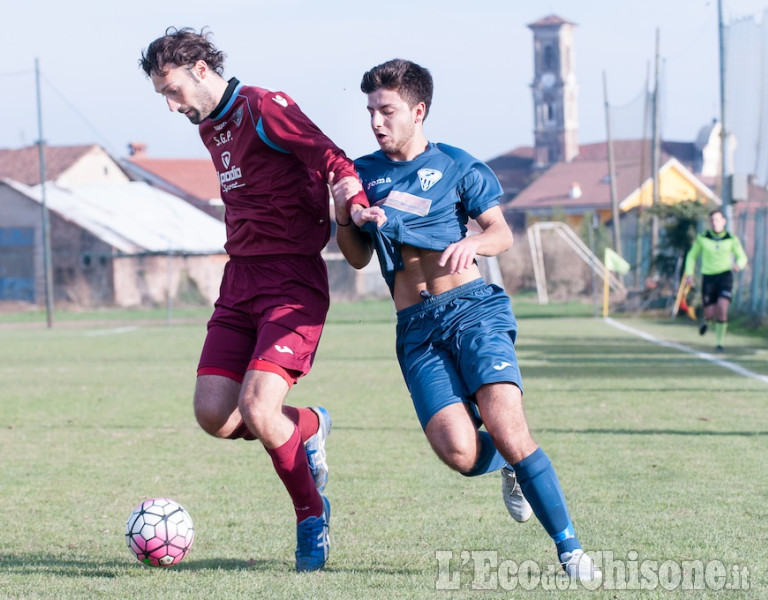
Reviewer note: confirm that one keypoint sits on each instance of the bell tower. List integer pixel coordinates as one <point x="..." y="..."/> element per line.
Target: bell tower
<point x="555" y="92"/>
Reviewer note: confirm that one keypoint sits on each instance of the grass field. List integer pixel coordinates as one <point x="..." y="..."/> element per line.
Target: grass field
<point x="662" y="456"/>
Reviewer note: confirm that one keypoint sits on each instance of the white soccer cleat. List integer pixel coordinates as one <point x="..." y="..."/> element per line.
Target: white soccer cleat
<point x="516" y="504"/>
<point x="579" y="565"/>
<point x="315" y="448"/>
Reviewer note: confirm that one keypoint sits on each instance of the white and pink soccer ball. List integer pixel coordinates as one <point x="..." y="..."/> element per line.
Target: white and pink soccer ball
<point x="159" y="532"/>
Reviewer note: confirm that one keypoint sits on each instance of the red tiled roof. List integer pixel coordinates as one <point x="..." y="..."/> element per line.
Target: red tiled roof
<point x="553" y="187"/>
<point x="194" y="176"/>
<point x="550" y="21"/>
<point x="529" y="190"/>
<point x="23" y="164"/>
<point x="685" y="152"/>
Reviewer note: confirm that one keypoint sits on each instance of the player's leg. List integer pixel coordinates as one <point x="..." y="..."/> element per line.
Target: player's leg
<point x="221" y="399"/>
<point x="262" y="297"/>
<point x="226" y="352"/>
<point x="709" y="301"/>
<point x="215" y="405"/>
<point x="488" y="362"/>
<point x="724" y="294"/>
<point x="216" y="410"/>
<point x="440" y="399"/>
<point x="425" y="351"/>
<point x="261" y="406"/>
<point x="721" y="322"/>
<point x="456" y="441"/>
<point x="291" y="310"/>
<point x="501" y="407"/>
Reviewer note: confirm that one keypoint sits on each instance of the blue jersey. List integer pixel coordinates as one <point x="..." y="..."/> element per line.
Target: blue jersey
<point x="427" y="200"/>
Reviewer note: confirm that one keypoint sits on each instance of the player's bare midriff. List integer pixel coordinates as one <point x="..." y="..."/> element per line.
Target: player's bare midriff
<point x="421" y="272"/>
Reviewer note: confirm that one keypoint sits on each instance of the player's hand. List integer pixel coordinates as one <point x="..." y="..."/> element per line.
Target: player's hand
<point x="362" y="215"/>
<point x="689" y="280"/>
<point x="342" y="190"/>
<point x="459" y="256"/>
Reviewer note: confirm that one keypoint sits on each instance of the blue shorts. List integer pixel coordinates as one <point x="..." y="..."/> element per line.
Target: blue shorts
<point x="453" y="343"/>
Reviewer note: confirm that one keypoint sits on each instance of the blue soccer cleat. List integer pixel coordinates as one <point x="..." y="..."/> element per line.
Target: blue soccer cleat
<point x="313" y="540"/>
<point x="315" y="448"/>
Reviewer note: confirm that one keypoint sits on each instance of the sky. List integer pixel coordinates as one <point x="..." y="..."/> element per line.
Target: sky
<point x="480" y="54"/>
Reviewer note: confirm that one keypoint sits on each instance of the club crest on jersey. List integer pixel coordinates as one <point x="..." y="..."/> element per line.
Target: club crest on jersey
<point x="428" y="178"/>
<point x="225" y="158"/>
<point x="238" y="116"/>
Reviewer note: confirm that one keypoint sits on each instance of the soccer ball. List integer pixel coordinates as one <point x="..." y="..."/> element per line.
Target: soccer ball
<point x="159" y="532"/>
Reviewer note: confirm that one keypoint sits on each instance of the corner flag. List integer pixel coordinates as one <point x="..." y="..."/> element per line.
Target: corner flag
<point x="614" y="262"/>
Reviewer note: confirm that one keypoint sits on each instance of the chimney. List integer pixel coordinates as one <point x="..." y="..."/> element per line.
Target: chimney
<point x="575" y="190"/>
<point x="137" y="149"/>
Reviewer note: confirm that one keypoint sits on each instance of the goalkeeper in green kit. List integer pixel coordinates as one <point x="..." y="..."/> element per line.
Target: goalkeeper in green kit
<point x="721" y="254"/>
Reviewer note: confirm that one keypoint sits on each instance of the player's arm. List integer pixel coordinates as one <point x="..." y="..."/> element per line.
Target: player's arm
<point x="356" y="246"/>
<point x="284" y="124"/>
<point x="739" y="255"/>
<point x="691" y="258"/>
<point x="496" y="237"/>
<point x="480" y="191"/>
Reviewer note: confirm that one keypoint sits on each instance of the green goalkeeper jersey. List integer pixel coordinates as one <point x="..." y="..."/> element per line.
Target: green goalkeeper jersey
<point x="718" y="252"/>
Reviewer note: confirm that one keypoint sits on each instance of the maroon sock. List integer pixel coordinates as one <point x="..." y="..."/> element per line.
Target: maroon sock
<point x="291" y="464"/>
<point x="305" y="419"/>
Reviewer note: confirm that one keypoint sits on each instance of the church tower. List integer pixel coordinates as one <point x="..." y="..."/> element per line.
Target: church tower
<point x="555" y="93"/>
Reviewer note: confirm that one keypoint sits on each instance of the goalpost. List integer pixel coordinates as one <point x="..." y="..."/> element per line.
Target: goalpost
<point x="580" y="249"/>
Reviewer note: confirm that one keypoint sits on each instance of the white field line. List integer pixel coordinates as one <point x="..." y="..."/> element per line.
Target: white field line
<point x="111" y="331"/>
<point x="702" y="355"/>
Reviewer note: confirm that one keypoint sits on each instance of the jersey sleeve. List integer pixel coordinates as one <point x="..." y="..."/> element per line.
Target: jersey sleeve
<point x="288" y="128"/>
<point x="692" y="256"/>
<point x="479" y="189"/>
<point x="738" y="253"/>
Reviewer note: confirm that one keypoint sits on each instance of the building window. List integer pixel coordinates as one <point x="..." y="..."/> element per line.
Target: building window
<point x="549" y="58"/>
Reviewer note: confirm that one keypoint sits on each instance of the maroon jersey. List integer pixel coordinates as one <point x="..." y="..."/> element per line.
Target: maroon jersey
<point x="273" y="164"/>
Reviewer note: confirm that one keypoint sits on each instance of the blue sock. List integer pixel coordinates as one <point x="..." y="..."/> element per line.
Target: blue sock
<point x="541" y="488"/>
<point x="489" y="460"/>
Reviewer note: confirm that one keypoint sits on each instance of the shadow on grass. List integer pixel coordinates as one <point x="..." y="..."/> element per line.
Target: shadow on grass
<point x="58" y="566"/>
<point x="653" y="432"/>
<point x="36" y="564"/>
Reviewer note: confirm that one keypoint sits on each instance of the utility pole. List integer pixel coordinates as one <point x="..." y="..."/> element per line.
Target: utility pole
<point x="639" y="272"/>
<point x="655" y="158"/>
<point x="46" y="222"/>
<point x="725" y="176"/>
<point x="612" y="172"/>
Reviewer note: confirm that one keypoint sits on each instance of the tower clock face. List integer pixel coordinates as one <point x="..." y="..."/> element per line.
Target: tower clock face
<point x="547" y="80"/>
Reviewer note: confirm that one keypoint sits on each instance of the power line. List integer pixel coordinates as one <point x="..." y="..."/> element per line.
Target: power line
<point x="14" y="73"/>
<point x="74" y="109"/>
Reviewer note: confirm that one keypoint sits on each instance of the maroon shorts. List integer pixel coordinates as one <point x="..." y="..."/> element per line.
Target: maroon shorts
<point x="269" y="310"/>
